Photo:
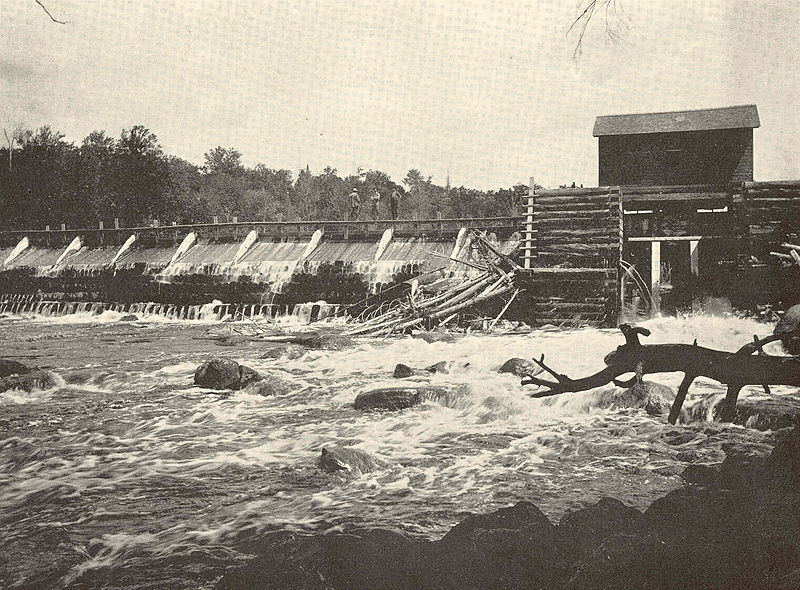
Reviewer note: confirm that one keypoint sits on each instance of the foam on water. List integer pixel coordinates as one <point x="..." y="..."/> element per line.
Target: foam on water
<point x="159" y="475"/>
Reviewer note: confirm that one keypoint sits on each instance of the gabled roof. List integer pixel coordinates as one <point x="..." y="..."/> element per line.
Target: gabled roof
<point x="736" y="117"/>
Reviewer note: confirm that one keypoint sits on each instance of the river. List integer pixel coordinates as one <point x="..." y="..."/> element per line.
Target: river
<point x="125" y="475"/>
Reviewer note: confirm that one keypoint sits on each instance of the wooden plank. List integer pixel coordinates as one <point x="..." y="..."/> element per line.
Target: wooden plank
<point x="655" y="275"/>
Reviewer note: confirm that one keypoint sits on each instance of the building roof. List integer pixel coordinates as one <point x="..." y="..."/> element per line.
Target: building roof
<point x="735" y="117"/>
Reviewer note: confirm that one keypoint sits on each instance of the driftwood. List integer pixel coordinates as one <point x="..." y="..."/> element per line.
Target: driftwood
<point x="735" y="369"/>
<point x="497" y="278"/>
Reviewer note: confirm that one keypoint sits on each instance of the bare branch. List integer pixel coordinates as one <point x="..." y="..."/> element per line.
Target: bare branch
<point x="52" y="18"/>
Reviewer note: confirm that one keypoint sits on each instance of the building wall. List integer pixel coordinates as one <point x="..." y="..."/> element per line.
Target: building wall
<point x="694" y="157"/>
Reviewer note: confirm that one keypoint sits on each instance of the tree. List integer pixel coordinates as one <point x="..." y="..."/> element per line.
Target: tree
<point x="222" y="160"/>
<point x="612" y="19"/>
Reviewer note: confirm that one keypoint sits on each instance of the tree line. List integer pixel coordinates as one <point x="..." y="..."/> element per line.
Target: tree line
<point x="46" y="180"/>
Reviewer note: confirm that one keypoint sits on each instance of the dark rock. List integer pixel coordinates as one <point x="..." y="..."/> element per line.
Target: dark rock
<point x="440" y="367"/>
<point x="768" y="412"/>
<point x="352" y="461"/>
<point x="653" y="398"/>
<point x="129" y="318"/>
<point x="222" y="373"/>
<point x="9" y="367"/>
<point x="520" y="367"/>
<point x="36" y="379"/>
<point x="361" y="559"/>
<point x="589" y="526"/>
<point x="400" y="398"/>
<point x="401" y="370"/>
<point x="512" y="547"/>
<point x="387" y="399"/>
<point x="789" y="328"/>
<point x="290" y="351"/>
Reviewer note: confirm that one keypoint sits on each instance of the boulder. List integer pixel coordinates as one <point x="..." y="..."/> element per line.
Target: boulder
<point x="789" y="328"/>
<point x="358" y="559"/>
<point x="400" y="398"/>
<point x="513" y="547"/>
<point x="766" y="412"/>
<point x="9" y="367"/>
<point x="222" y="373"/>
<point x="588" y="527"/>
<point x="388" y="399"/>
<point x="520" y="367"/>
<point x="348" y="460"/>
<point x="129" y="318"/>
<point x="36" y="379"/>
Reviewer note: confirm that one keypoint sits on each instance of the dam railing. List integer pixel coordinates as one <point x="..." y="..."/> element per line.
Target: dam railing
<point x="267" y="230"/>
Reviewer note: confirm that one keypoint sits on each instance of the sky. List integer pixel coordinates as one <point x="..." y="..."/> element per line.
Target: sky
<point x="490" y="93"/>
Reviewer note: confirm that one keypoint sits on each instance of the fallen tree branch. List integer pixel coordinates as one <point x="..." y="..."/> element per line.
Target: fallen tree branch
<point x="735" y="369"/>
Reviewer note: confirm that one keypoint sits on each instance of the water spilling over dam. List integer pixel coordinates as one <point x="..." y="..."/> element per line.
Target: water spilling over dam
<point x="266" y="270"/>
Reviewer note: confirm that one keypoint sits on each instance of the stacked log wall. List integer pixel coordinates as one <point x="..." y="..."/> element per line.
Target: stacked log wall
<point x="572" y="276"/>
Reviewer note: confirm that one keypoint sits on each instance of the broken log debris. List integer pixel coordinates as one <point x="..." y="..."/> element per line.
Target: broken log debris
<point x="734" y="369"/>
<point x="428" y="307"/>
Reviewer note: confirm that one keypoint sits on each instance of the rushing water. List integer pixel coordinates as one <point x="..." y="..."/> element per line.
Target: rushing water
<point x="126" y="475"/>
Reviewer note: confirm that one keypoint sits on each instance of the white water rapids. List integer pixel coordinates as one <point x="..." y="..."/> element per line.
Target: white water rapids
<point x="126" y="475"/>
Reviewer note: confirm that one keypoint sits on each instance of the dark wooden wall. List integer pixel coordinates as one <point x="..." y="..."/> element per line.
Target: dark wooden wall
<point x="693" y="157"/>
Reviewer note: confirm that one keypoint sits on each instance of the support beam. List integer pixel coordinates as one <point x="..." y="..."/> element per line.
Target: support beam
<point x="655" y="275"/>
<point x="125" y="247"/>
<point x="694" y="263"/>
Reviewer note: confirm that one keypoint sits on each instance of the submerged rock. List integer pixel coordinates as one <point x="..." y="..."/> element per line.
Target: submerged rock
<point x="234" y="340"/>
<point x="222" y="373"/>
<point x="36" y="379"/>
<point x="401" y="371"/>
<point x="129" y="318"/>
<point x="335" y="459"/>
<point x="290" y="351"/>
<point x="328" y="342"/>
<point x="268" y="385"/>
<point x="400" y="398"/>
<point x="653" y="398"/>
<point x="9" y="367"/>
<point x="431" y="337"/>
<point x="520" y="367"/>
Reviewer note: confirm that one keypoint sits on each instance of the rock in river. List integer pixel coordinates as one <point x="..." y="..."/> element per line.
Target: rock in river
<point x="401" y="370"/>
<point x="400" y="398"/>
<point x="520" y="367"/>
<point x="37" y="379"/>
<point x="222" y="373"/>
<point x="347" y="459"/>
<point x="9" y="367"/>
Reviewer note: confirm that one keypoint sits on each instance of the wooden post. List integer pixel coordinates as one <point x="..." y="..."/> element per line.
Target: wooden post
<point x="655" y="275"/>
<point x="102" y="235"/>
<point x="116" y="223"/>
<point x="694" y="262"/>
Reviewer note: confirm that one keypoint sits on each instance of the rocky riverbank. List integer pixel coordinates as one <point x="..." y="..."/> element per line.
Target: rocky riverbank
<point x="731" y="526"/>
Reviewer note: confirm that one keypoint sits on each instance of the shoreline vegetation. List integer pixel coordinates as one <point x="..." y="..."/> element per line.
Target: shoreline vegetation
<point x="132" y="179"/>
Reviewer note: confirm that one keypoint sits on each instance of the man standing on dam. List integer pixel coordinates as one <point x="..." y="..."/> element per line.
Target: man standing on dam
<point x="376" y="201"/>
<point x="394" y="202"/>
<point x="355" y="204"/>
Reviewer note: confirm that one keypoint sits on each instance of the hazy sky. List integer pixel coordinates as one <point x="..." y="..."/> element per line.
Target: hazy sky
<point x="492" y="93"/>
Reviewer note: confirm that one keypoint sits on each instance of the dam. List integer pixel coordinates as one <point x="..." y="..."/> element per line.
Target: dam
<point x="586" y="256"/>
<point x="262" y="269"/>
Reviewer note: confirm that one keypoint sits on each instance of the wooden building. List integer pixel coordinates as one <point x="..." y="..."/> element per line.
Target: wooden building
<point x="676" y="224"/>
<point x="707" y="146"/>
